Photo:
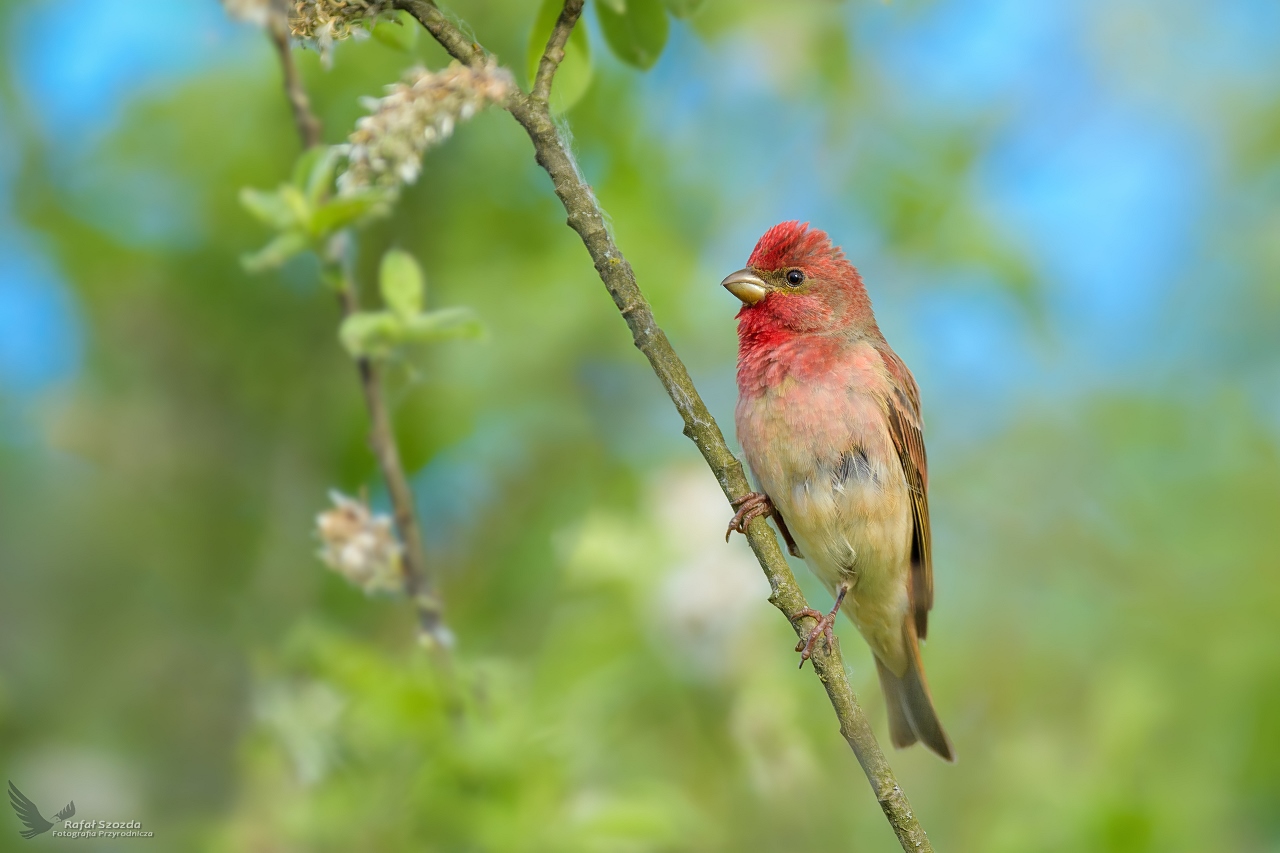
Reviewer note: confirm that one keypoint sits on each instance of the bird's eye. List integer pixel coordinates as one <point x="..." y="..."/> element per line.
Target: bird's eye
<point x="795" y="277"/>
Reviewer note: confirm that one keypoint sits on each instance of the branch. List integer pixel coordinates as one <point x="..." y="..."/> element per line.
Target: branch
<point x="308" y="125"/>
<point x="443" y="30"/>
<point x="554" y="54"/>
<point x="587" y="219"/>
<point x="420" y="586"/>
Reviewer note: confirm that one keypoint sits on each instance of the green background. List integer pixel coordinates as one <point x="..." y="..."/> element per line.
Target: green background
<point x="1067" y="217"/>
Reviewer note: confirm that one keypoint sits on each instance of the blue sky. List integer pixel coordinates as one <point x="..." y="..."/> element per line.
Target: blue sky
<point x="77" y="76"/>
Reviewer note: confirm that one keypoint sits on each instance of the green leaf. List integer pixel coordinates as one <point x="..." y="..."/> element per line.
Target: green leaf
<point x="372" y="334"/>
<point x="456" y="322"/>
<point x="270" y="208"/>
<point x="683" y="8"/>
<point x="298" y="204"/>
<point x="573" y="77"/>
<point x="275" y="253"/>
<point x="379" y="334"/>
<point x="399" y="33"/>
<point x="306" y="162"/>
<point x="637" y="35"/>
<point x="619" y="6"/>
<point x="339" y="212"/>
<point x="313" y="173"/>
<point x="402" y="284"/>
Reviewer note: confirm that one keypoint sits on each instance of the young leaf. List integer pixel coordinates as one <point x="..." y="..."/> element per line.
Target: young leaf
<point x="275" y="253"/>
<point x="371" y="334"/>
<point x="401" y="282"/>
<point x="638" y="35"/>
<point x="347" y="210"/>
<point x="313" y="173"/>
<point x="456" y="322"/>
<point x="270" y="208"/>
<point x="399" y="33"/>
<point x="573" y="77"/>
<point x="380" y="334"/>
<point x="298" y="204"/>
<point x="306" y="162"/>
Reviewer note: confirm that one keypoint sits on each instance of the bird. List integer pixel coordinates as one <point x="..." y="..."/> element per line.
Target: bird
<point x="829" y="420"/>
<point x="30" y="815"/>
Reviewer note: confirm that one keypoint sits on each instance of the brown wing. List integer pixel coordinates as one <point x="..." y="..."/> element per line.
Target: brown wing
<point x="906" y="425"/>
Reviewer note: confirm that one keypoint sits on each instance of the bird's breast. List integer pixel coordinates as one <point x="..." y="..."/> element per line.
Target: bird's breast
<point x="822" y="451"/>
<point x="818" y="444"/>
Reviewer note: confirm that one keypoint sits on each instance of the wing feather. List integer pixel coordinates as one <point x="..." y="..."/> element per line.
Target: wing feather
<point x="906" y="426"/>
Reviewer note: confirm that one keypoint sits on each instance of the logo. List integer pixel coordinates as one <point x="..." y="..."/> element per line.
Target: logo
<point x="30" y="815"/>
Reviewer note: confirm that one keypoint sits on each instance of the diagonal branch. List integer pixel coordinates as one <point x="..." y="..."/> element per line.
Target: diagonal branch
<point x="309" y="128"/>
<point x="420" y="585"/>
<point x="554" y="54"/>
<point x="587" y="219"/>
<point x="443" y="30"/>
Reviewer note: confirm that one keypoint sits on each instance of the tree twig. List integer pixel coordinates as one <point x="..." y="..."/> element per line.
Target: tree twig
<point x="587" y="219"/>
<point x="554" y="54"/>
<point x="309" y="128"/>
<point x="420" y="585"/>
<point x="419" y="582"/>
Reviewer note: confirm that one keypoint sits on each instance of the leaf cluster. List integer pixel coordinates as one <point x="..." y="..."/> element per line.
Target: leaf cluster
<point x="404" y="323"/>
<point x="305" y="212"/>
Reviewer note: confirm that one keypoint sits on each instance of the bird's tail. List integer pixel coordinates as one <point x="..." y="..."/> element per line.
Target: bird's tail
<point x="911" y="714"/>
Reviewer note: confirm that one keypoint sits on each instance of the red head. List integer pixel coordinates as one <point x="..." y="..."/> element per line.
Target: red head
<point x="797" y="283"/>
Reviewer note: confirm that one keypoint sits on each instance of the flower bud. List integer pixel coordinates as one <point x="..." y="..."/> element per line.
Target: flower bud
<point x="420" y="111"/>
<point x="360" y="546"/>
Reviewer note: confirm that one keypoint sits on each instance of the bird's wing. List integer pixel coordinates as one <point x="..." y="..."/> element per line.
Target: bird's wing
<point x="906" y="425"/>
<point x="66" y="813"/>
<point x="27" y="812"/>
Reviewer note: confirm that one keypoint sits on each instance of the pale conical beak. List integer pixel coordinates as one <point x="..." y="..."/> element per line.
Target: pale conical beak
<point x="746" y="285"/>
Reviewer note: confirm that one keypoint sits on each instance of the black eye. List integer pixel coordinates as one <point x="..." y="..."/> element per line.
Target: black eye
<point x="795" y="277"/>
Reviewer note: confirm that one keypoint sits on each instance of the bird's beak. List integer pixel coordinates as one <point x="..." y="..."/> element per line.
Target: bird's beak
<point x="746" y="285"/>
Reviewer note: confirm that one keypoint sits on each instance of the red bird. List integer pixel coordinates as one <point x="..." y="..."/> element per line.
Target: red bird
<point x="829" y="420"/>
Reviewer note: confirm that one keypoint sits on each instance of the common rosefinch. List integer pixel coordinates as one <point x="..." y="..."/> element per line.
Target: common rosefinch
<point x="829" y="419"/>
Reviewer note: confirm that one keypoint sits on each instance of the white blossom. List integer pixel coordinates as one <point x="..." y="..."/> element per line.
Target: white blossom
<point x="304" y="717"/>
<point x="709" y="593"/>
<point x="327" y="21"/>
<point x="360" y="546"/>
<point x="420" y="111"/>
<point x="316" y="23"/>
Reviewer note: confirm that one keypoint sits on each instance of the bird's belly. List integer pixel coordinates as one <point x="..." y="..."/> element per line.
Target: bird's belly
<point x="860" y="535"/>
<point x="848" y="508"/>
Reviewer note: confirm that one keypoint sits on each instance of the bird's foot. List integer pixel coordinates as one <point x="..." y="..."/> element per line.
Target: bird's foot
<point x="752" y="506"/>
<point x="749" y="507"/>
<point x="824" y="628"/>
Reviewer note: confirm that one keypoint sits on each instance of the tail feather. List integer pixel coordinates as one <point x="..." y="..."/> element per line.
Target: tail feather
<point x="900" y="731"/>
<point x="911" y="714"/>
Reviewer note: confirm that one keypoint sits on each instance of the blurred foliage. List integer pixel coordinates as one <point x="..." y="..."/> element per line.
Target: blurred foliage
<point x="305" y="211"/>
<point x="635" y="29"/>
<point x="382" y="334"/>
<point x="1103" y="650"/>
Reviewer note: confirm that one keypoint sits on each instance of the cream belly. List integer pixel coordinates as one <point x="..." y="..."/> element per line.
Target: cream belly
<point x="841" y="490"/>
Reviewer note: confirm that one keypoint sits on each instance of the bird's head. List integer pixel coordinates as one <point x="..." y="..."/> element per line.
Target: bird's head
<point x="797" y="282"/>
